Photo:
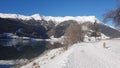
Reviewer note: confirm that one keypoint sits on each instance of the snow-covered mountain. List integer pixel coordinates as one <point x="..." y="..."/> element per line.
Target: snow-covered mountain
<point x="55" y="24"/>
<point x="57" y="20"/>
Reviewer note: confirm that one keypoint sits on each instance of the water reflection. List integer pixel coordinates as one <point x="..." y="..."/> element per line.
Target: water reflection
<point x="17" y="49"/>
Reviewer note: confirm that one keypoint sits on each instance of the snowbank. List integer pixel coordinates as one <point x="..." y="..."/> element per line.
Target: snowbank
<point x="84" y="55"/>
<point x="45" y="59"/>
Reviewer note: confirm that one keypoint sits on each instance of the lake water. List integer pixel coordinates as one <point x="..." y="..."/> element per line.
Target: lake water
<point x="15" y="49"/>
<point x="19" y="49"/>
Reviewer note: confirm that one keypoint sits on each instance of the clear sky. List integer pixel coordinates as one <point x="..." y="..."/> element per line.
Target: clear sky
<point x="57" y="7"/>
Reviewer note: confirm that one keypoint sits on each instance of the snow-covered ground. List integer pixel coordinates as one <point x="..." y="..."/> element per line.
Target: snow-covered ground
<point x="47" y="57"/>
<point x="82" y="55"/>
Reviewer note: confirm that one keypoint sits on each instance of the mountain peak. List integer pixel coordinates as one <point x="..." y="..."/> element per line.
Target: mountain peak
<point x="36" y="16"/>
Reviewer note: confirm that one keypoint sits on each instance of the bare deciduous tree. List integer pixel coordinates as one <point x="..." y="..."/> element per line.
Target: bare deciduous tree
<point x="73" y="34"/>
<point x="113" y="15"/>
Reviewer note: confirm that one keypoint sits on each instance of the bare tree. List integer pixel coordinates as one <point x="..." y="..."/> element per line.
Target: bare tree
<point x="113" y="15"/>
<point x="73" y="34"/>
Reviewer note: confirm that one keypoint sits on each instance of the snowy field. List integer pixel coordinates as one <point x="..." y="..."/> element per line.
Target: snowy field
<point x="82" y="55"/>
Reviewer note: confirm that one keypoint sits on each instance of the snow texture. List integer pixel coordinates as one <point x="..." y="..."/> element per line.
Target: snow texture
<point x="84" y="55"/>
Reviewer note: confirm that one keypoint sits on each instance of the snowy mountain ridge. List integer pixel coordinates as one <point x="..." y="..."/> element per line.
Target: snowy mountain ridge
<point x="15" y="16"/>
<point x="76" y="18"/>
<point x="57" y="19"/>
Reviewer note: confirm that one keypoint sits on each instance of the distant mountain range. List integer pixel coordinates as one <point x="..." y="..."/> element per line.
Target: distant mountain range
<point x="45" y="26"/>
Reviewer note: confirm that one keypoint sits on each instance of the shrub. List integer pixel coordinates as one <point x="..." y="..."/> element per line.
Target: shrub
<point x="73" y="34"/>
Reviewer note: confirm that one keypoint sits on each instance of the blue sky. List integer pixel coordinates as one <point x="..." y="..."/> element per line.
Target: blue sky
<point x="57" y="7"/>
